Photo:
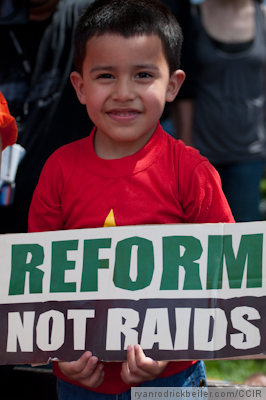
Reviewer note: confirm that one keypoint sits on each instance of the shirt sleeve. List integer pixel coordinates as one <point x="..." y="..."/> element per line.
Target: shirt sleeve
<point x="8" y="126"/>
<point x="203" y="199"/>
<point x="45" y="212"/>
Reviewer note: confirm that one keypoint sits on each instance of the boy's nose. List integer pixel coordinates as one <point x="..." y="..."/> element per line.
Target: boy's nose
<point x="124" y="91"/>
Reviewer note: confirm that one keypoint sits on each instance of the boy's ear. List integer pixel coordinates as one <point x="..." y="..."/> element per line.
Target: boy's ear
<point x="77" y="82"/>
<point x="175" y="82"/>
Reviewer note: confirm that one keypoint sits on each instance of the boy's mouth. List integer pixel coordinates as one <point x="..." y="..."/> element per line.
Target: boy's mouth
<point x="123" y="114"/>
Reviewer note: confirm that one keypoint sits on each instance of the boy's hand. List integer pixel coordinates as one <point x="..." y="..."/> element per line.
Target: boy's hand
<point x="139" y="368"/>
<point x="86" y="370"/>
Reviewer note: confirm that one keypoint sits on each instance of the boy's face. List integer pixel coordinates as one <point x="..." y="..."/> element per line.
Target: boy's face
<point x="124" y="84"/>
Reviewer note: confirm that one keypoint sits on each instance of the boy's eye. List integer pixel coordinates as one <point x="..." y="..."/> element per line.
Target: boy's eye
<point x="143" y="75"/>
<point x="105" y="76"/>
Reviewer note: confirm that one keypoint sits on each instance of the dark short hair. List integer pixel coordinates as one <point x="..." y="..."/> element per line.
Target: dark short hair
<point x="129" y="18"/>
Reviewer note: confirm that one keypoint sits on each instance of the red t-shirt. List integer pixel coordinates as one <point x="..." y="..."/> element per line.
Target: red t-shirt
<point x="165" y="182"/>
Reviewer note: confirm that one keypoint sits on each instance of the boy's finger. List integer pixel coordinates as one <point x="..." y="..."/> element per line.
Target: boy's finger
<point x="95" y="379"/>
<point x="138" y="363"/>
<point x="75" y="367"/>
<point x="143" y="362"/>
<point x="131" y="359"/>
<point x="139" y="354"/>
<point x="89" y="368"/>
<point x="128" y="366"/>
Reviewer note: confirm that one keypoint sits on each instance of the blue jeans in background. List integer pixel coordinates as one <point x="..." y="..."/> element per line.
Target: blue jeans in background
<point x="240" y="182"/>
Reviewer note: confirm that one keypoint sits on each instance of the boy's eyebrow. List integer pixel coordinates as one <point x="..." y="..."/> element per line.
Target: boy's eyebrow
<point x="110" y="68"/>
<point x="101" y="68"/>
<point x="147" y="66"/>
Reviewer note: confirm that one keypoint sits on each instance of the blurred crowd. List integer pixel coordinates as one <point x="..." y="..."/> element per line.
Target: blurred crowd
<point x="222" y="112"/>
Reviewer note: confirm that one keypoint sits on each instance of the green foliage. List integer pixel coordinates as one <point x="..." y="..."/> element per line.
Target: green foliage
<point x="234" y="371"/>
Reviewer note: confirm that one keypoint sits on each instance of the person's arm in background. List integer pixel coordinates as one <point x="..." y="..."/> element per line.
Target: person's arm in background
<point x="8" y="126"/>
<point x="182" y="109"/>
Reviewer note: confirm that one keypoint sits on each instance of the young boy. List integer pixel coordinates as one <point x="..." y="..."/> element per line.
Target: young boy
<point x="128" y="171"/>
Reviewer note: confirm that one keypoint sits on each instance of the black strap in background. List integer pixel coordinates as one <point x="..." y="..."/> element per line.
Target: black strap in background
<point x="25" y="62"/>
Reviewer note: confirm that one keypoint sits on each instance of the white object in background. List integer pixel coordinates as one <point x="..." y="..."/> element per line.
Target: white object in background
<point x="11" y="157"/>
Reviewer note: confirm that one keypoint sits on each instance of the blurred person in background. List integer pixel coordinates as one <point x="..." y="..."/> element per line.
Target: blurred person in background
<point x="36" y="61"/>
<point x="8" y="126"/>
<point x="226" y="121"/>
<point x="181" y="10"/>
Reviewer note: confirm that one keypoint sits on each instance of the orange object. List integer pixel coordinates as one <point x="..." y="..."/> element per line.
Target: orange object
<point x="8" y="126"/>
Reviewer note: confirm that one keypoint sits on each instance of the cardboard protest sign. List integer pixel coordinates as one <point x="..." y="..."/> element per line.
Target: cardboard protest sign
<point x="180" y="291"/>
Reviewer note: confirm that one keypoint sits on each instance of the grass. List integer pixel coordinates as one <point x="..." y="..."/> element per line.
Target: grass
<point x="234" y="371"/>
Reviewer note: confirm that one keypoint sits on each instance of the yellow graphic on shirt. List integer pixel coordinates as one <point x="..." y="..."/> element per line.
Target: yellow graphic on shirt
<point x="110" y="220"/>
